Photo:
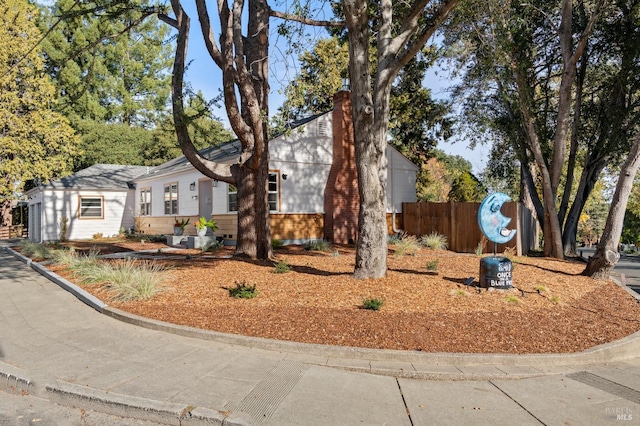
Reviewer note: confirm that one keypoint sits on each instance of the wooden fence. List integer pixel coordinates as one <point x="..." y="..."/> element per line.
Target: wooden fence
<point x="13" y="231"/>
<point x="459" y="223"/>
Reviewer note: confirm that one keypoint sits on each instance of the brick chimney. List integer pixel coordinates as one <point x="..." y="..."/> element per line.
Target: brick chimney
<point x="341" y="199"/>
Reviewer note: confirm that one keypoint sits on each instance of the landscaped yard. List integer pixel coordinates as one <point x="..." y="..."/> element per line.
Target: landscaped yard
<point x="426" y="305"/>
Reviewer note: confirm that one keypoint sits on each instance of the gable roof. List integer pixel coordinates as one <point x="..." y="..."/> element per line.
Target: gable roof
<point x="225" y="152"/>
<point x="222" y="153"/>
<point x="99" y="176"/>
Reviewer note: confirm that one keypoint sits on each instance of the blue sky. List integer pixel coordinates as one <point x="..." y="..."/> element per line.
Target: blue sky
<point x="205" y="76"/>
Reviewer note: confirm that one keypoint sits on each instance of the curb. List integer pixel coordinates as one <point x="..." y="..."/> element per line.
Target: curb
<point x="84" y="296"/>
<point x="619" y="350"/>
<point x="623" y="349"/>
<point x="14" y="380"/>
<point x="168" y="413"/>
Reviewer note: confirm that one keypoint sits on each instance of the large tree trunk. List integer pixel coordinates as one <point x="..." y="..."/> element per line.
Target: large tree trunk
<point x="251" y="172"/>
<point x="606" y="256"/>
<point x="371" y="247"/>
<point x="588" y="179"/>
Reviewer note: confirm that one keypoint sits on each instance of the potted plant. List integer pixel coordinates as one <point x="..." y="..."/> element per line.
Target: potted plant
<point x="179" y="225"/>
<point x="202" y="224"/>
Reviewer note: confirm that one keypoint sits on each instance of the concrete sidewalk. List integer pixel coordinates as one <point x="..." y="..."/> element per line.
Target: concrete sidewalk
<point x="56" y="347"/>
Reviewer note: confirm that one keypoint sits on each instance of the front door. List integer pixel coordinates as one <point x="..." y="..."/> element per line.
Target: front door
<point x="35" y="222"/>
<point x="205" y="192"/>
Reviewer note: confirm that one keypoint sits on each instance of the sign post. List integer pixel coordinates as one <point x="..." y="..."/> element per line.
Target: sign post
<point x="495" y="271"/>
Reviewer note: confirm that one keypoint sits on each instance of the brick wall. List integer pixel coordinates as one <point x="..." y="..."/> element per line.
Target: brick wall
<point x="341" y="192"/>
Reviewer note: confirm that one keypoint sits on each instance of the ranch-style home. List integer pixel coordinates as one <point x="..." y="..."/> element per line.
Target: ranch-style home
<point x="312" y="190"/>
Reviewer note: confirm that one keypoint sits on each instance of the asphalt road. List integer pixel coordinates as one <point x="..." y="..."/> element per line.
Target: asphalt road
<point x="627" y="271"/>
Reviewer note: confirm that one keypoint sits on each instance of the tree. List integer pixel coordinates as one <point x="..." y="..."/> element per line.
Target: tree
<point x="606" y="256"/>
<point x="204" y="129"/>
<point x="311" y="91"/>
<point x="243" y="61"/>
<point x="110" y="60"/>
<point x="417" y="122"/>
<point x="36" y="143"/>
<point x="401" y="34"/>
<point x="530" y="61"/>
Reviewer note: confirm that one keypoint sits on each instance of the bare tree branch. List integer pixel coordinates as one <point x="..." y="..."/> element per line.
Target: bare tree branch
<point x="313" y="22"/>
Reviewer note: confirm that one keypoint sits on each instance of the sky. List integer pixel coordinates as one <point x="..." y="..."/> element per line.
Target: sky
<point x="204" y="76"/>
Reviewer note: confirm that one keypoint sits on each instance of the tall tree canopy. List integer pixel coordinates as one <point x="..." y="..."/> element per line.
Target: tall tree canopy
<point x="36" y="143"/>
<point x="110" y="60"/>
<point x="547" y="80"/>
<point x="416" y="123"/>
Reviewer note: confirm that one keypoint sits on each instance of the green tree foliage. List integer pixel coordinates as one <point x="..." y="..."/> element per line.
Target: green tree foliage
<point x="114" y="143"/>
<point x="36" y="143"/>
<point x="631" y="229"/>
<point x="466" y="187"/>
<point x="446" y="177"/>
<point x="417" y="122"/>
<point x="320" y="77"/>
<point x="110" y="60"/>
<point x="204" y="129"/>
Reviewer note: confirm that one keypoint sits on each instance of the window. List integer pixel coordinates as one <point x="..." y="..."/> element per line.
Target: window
<point x="273" y="192"/>
<point x="171" y="198"/>
<point x="91" y="208"/>
<point x="145" y="202"/>
<point x="233" y="198"/>
<point x="272" y="196"/>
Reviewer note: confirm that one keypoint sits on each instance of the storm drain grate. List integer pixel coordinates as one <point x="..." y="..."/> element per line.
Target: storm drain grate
<point x="263" y="400"/>
<point x="606" y="385"/>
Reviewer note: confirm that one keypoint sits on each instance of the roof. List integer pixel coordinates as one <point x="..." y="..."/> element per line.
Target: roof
<point x="99" y="176"/>
<point x="226" y="151"/>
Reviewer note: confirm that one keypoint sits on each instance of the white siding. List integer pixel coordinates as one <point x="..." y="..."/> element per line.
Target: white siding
<point x="305" y="156"/>
<point x="56" y="204"/>
<point x="401" y="181"/>
<point x="187" y="204"/>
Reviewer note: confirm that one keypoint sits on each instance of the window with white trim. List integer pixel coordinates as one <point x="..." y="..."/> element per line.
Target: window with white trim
<point x="91" y="208"/>
<point x="171" y="199"/>
<point x="273" y="192"/>
<point x="145" y="202"/>
<point x="273" y="195"/>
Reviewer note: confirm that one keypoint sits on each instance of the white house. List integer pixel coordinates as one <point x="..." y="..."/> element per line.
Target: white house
<point x="312" y="189"/>
<point x="96" y="200"/>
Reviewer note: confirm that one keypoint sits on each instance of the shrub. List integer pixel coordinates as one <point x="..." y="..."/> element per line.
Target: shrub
<point x="243" y="291"/>
<point x="318" y="245"/>
<point x="74" y="261"/>
<point x="509" y="253"/>
<point x="130" y="280"/>
<point x="97" y="236"/>
<point x="512" y="299"/>
<point x="480" y="247"/>
<point x="432" y="265"/>
<point x="212" y="246"/>
<point x="540" y="288"/>
<point x="373" y="304"/>
<point x="276" y="244"/>
<point x="394" y="239"/>
<point x="407" y="245"/>
<point x="282" y="267"/>
<point x="434" y="241"/>
<point x="64" y="228"/>
<point x="34" y="250"/>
